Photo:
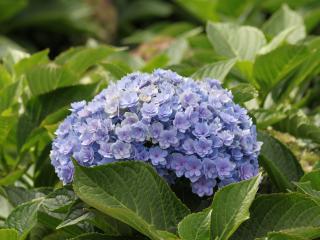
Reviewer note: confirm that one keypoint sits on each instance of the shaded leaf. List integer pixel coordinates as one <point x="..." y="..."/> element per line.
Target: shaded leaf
<point x="314" y="179"/>
<point x="97" y="236"/>
<point x="203" y="10"/>
<point x="8" y="95"/>
<point x="119" y="190"/>
<point x="8" y="234"/>
<point x="41" y="106"/>
<point x="11" y="177"/>
<point x="283" y="19"/>
<point x="117" y="70"/>
<point x="300" y="126"/>
<point x="229" y="40"/>
<point x="216" y="70"/>
<point x="24" y="217"/>
<point x="81" y="60"/>
<point x="271" y="68"/>
<point x="26" y="64"/>
<point x="289" y="213"/>
<point x="267" y="117"/>
<point x="243" y="92"/>
<point x="279" y="162"/>
<point x="195" y="226"/>
<point x="230" y="207"/>
<point x="46" y="78"/>
<point x="6" y="123"/>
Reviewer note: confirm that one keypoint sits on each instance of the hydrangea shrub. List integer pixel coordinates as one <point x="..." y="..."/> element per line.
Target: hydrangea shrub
<point x="183" y="128"/>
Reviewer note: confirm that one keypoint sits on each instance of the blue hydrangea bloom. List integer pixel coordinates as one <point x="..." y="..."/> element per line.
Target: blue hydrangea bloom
<point x="181" y="127"/>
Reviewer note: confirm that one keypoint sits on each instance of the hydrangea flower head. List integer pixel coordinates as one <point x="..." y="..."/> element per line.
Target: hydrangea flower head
<point x="181" y="127"/>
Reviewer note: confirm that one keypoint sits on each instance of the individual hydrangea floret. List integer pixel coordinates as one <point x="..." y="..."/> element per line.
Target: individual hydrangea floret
<point x="181" y="127"/>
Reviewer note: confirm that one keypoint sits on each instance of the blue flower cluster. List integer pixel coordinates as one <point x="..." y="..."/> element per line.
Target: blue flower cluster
<point x="183" y="128"/>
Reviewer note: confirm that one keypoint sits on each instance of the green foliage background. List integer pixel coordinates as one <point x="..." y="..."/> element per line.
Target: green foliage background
<point x="55" y="52"/>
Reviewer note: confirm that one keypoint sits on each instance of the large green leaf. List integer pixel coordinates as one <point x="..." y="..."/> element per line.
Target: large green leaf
<point x="81" y="60"/>
<point x="46" y="78"/>
<point x="283" y="236"/>
<point x="195" y="226"/>
<point x="5" y="77"/>
<point x="12" y="177"/>
<point x="243" y="92"/>
<point x="204" y="10"/>
<point x="8" y="95"/>
<point x="309" y="68"/>
<point x="230" y="207"/>
<point x="9" y="8"/>
<point x="177" y="50"/>
<point x="267" y="117"/>
<point x="19" y="195"/>
<point x="120" y="190"/>
<point x="41" y="106"/>
<point x="283" y="19"/>
<point x="300" y="126"/>
<point x="26" y="64"/>
<point x="217" y="70"/>
<point x="279" y="162"/>
<point x="6" y="123"/>
<point x="97" y="236"/>
<point x="242" y="42"/>
<point x="307" y="188"/>
<point x="314" y="179"/>
<point x="280" y="39"/>
<point x="24" y="217"/>
<point x="271" y="68"/>
<point x="290" y="213"/>
<point x="8" y="234"/>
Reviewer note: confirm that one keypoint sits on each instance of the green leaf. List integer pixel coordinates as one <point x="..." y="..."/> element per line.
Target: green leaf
<point x="267" y="117"/>
<point x="283" y="236"/>
<point x="289" y="213"/>
<point x="177" y="50"/>
<point x="76" y="214"/>
<point x="59" y="201"/>
<point x="6" y="123"/>
<point x="279" y="162"/>
<point x="5" y="77"/>
<point x="97" y="236"/>
<point x="41" y="106"/>
<point x="46" y="78"/>
<point x="233" y="41"/>
<point x="81" y="60"/>
<point x="11" y="177"/>
<point x="120" y="190"/>
<point x="278" y="40"/>
<point x="195" y="226"/>
<point x="9" y="8"/>
<point x="158" y="61"/>
<point x="24" y="217"/>
<point x="216" y="70"/>
<point x="8" y="95"/>
<point x="271" y="68"/>
<point x="26" y="64"/>
<point x="230" y="207"/>
<point x="204" y="10"/>
<point x="306" y="188"/>
<point x="8" y="234"/>
<point x="109" y="225"/>
<point x="283" y="19"/>
<point x="243" y="92"/>
<point x="314" y="179"/>
<point x="19" y="195"/>
<point x="300" y="126"/>
<point x="309" y="68"/>
<point x="117" y="70"/>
